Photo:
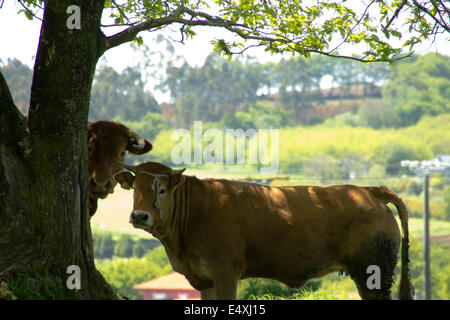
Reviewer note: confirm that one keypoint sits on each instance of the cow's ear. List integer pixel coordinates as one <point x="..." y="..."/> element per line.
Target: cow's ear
<point x="133" y="148"/>
<point x="176" y="179"/>
<point x="125" y="179"/>
<point x="177" y="172"/>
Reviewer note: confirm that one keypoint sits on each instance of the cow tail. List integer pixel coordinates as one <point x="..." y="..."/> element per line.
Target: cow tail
<point x="406" y="289"/>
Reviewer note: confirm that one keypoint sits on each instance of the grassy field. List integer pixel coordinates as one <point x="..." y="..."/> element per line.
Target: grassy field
<point x="437" y="227"/>
<point x="429" y="137"/>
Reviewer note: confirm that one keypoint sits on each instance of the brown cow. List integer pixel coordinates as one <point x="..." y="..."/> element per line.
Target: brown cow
<point x="216" y="232"/>
<point x="107" y="144"/>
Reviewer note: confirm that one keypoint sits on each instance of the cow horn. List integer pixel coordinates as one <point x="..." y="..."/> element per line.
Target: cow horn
<point x="127" y="166"/>
<point x="180" y="171"/>
<point x="140" y="141"/>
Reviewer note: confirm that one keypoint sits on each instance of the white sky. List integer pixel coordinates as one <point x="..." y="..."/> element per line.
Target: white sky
<point x="19" y="38"/>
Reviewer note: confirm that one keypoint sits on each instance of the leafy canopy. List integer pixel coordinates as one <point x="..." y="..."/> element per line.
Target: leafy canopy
<point x="385" y="30"/>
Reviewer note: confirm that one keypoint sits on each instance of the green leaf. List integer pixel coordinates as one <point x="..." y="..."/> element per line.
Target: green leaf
<point x="27" y="13"/>
<point x="396" y="34"/>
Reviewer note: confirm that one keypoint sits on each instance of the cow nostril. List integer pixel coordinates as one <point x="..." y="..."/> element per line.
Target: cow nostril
<point x="145" y="217"/>
<point x="133" y="216"/>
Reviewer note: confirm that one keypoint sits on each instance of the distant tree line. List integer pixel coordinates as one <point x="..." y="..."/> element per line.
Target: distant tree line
<point x="290" y="92"/>
<point x="120" y="95"/>
<point x="125" y="246"/>
<point x="390" y="97"/>
<point x="221" y="88"/>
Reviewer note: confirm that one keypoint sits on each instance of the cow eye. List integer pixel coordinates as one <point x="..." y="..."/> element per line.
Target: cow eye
<point x="161" y="191"/>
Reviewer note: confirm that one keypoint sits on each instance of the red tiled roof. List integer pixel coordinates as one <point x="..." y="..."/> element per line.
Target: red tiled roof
<point x="172" y="281"/>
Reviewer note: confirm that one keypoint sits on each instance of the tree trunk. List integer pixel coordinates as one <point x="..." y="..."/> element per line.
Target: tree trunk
<point x="44" y="222"/>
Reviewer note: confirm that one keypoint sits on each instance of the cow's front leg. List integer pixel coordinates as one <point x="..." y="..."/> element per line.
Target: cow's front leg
<point x="226" y="288"/>
<point x="208" y="294"/>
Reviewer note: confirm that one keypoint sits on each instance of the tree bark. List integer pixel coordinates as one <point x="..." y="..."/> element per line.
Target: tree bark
<point x="44" y="222"/>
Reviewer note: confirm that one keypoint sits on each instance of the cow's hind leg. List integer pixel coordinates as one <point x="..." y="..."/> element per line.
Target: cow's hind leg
<point x="372" y="268"/>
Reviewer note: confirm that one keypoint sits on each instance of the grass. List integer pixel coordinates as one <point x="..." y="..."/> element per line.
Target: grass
<point x="437" y="227"/>
<point x="116" y="234"/>
<point x="319" y="294"/>
<point x="32" y="286"/>
<point x="298" y="145"/>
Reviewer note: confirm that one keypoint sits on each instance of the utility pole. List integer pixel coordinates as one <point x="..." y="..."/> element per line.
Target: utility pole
<point x="425" y="169"/>
<point x="426" y="236"/>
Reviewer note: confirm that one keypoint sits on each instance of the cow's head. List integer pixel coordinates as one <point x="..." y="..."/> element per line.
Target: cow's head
<point x="108" y="143"/>
<point x="154" y="186"/>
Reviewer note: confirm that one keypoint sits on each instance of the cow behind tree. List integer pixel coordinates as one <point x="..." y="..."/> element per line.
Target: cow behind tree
<point x="108" y="143"/>
<point x="216" y="232"/>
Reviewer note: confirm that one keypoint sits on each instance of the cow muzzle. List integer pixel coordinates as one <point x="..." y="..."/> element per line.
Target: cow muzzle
<point x="141" y="219"/>
<point x="101" y="189"/>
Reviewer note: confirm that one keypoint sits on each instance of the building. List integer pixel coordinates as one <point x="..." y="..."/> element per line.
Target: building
<point x="444" y="161"/>
<point x="173" y="286"/>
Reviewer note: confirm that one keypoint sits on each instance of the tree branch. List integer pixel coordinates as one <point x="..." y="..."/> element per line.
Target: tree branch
<point x="31" y="13"/>
<point x="353" y="28"/>
<point x="12" y="122"/>
<point x="425" y="10"/>
<point x="444" y="8"/>
<point x="130" y="33"/>
<point x="203" y="19"/>
<point x="395" y="15"/>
